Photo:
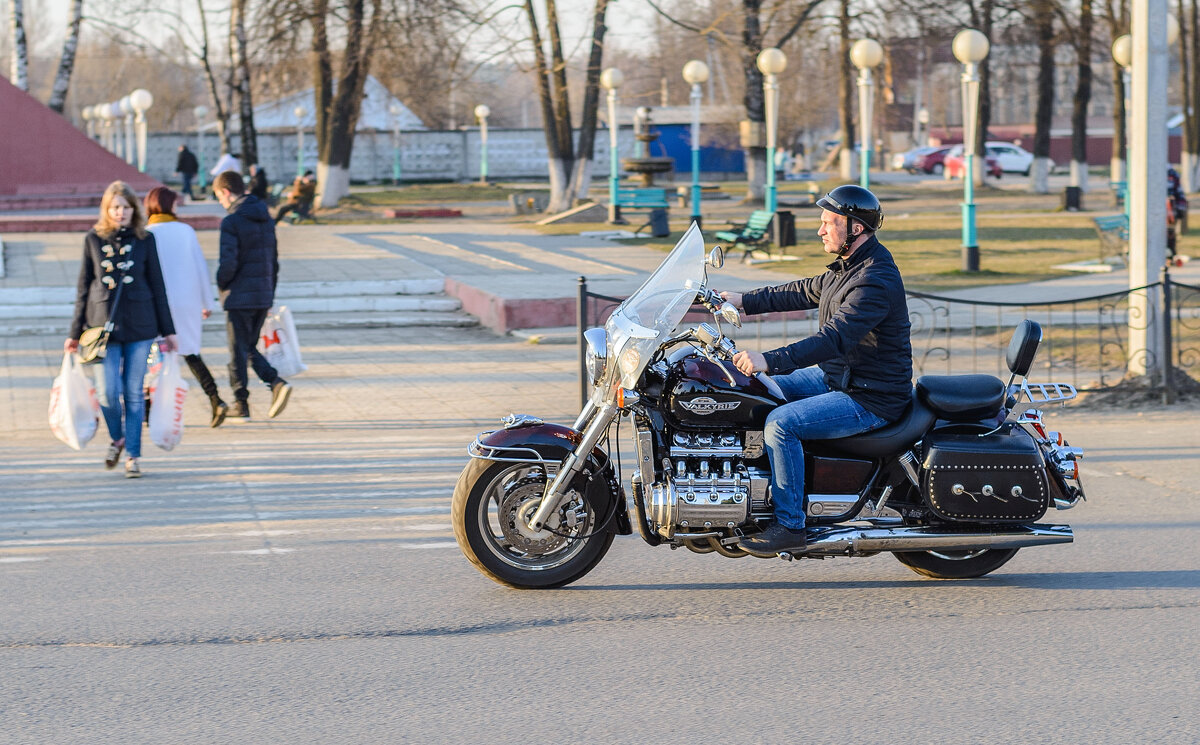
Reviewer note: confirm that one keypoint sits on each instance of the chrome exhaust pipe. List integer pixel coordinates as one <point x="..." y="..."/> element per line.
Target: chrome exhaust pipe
<point x="847" y="541"/>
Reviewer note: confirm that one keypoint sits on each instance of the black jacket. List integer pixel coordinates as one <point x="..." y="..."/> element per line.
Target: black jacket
<point x="142" y="312"/>
<point x="863" y="342"/>
<point x="186" y="163"/>
<point x="249" y="263"/>
<point x="259" y="186"/>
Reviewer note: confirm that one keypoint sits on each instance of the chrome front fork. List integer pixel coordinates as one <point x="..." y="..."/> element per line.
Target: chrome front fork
<point x="597" y="419"/>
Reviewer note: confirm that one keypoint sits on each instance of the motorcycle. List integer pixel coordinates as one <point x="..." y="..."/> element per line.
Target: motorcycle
<point x="953" y="488"/>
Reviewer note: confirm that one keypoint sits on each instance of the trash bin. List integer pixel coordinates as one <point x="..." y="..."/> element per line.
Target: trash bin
<point x="783" y="229"/>
<point x="659" y="228"/>
<point x="1073" y="199"/>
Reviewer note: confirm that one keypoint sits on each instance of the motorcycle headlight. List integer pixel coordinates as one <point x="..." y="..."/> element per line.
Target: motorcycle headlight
<point x="629" y="363"/>
<point x="596" y="355"/>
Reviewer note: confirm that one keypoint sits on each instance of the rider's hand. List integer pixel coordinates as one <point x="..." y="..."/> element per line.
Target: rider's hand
<point x="733" y="298"/>
<point x="749" y="363"/>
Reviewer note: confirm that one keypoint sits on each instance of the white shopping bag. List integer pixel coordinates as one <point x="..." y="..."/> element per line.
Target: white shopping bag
<point x="279" y="344"/>
<point x="74" y="411"/>
<point x="166" y="410"/>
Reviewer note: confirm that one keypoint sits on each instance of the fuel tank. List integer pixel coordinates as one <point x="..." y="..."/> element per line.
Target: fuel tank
<point x="699" y="396"/>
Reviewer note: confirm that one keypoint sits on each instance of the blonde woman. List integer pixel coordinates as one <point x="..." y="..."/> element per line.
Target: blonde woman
<point x="118" y="250"/>
<point x="189" y="290"/>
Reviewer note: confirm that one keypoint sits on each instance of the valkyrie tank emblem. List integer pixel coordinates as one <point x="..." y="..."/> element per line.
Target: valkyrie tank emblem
<point x="703" y="405"/>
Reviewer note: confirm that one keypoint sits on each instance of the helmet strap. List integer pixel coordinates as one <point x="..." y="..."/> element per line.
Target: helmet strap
<point x="851" y="237"/>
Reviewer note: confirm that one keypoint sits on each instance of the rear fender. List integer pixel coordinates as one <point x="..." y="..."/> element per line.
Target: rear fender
<point x="554" y="442"/>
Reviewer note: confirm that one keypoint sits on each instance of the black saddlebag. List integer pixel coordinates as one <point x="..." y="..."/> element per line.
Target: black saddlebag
<point x="997" y="478"/>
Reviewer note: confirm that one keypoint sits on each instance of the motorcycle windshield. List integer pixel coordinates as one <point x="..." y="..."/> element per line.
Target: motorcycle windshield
<point x="647" y="317"/>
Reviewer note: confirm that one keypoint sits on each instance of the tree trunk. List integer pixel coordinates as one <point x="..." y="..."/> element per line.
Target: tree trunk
<point x="1083" y="95"/>
<point x="1115" y="17"/>
<point x="219" y="109"/>
<point x="322" y="73"/>
<point x="753" y="100"/>
<point x="241" y="78"/>
<point x="554" y="102"/>
<point x="19" y="75"/>
<point x="984" y="112"/>
<point x="333" y="167"/>
<point x="1189" y="49"/>
<point x="1044" y="24"/>
<point x="564" y="199"/>
<point x="582" y="177"/>
<point x="846" y="95"/>
<point x="62" y="80"/>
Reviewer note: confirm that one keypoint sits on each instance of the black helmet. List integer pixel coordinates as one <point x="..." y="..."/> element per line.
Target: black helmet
<point x="856" y="203"/>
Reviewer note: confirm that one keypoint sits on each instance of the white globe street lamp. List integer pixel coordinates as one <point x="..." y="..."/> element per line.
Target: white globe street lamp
<point x="481" y="113"/>
<point x="970" y="47"/>
<point x="140" y="101"/>
<point x="299" y="112"/>
<point x="866" y="54"/>
<point x="126" y="108"/>
<point x="695" y="73"/>
<point x="611" y="79"/>
<point x="770" y="63"/>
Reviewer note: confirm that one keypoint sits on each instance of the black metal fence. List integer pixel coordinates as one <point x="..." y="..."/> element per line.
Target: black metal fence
<point x="1086" y="341"/>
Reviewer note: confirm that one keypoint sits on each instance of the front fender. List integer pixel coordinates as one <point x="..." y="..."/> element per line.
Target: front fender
<point x="554" y="442"/>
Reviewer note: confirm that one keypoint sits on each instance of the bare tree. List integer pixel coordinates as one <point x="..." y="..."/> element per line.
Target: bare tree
<point x="66" y="65"/>
<point x="1115" y="16"/>
<point x="240" y="74"/>
<point x="1189" y="53"/>
<point x="1043" y="21"/>
<point x="1081" y="40"/>
<point x="20" y="52"/>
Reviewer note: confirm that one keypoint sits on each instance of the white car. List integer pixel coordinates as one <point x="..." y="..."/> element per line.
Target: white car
<point x="1012" y="158"/>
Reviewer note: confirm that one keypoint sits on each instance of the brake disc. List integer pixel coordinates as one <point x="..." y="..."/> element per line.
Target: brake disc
<point x="520" y="502"/>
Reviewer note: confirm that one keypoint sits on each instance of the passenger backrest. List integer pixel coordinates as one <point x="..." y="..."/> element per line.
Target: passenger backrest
<point x="1023" y="347"/>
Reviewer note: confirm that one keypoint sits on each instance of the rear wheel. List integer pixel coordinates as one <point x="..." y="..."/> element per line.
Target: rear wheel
<point x="956" y="564"/>
<point x="493" y="502"/>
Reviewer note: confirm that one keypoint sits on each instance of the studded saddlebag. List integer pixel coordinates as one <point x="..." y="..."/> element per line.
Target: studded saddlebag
<point x="997" y="478"/>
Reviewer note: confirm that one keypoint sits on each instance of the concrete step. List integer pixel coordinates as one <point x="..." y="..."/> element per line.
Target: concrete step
<point x="58" y="327"/>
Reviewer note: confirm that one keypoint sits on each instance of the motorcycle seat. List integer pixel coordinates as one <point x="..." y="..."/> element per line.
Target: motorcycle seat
<point x="961" y="398"/>
<point x="887" y="440"/>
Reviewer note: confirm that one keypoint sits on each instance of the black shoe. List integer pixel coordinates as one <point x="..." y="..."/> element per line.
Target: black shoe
<point x="220" y="410"/>
<point x="239" y="412"/>
<point x="774" y="540"/>
<point x="280" y="391"/>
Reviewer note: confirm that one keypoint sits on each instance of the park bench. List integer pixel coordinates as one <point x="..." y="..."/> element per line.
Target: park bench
<point x="648" y="199"/>
<point x="1114" y="236"/>
<point x="750" y="235"/>
<point x="1118" y="190"/>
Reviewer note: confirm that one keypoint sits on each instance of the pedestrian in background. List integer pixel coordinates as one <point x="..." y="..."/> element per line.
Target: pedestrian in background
<point x="300" y="198"/>
<point x="189" y="290"/>
<point x="227" y="162"/>
<point x="246" y="277"/>
<point x="118" y="250"/>
<point x="187" y="167"/>
<point x="260" y="185"/>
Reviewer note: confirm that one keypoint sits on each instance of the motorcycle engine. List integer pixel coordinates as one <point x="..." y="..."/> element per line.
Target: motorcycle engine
<point x="706" y="484"/>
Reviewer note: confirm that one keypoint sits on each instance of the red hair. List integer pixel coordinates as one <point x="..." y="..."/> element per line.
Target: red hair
<point x="160" y="201"/>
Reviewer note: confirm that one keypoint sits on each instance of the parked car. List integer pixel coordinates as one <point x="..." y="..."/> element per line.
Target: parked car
<point x="910" y="161"/>
<point x="955" y="163"/>
<point x="1012" y="158"/>
<point x="932" y="162"/>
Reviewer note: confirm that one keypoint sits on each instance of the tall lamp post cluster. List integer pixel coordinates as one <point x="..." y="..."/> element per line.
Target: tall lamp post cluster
<point x="866" y="54"/>
<point x="770" y="63"/>
<point x="103" y="121"/>
<point x="695" y="73"/>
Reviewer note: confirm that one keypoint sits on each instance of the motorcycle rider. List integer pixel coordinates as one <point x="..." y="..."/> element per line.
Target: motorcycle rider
<point x="852" y="376"/>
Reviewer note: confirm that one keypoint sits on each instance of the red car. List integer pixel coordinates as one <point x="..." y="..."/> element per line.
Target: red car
<point x="954" y="163"/>
<point x="932" y="162"/>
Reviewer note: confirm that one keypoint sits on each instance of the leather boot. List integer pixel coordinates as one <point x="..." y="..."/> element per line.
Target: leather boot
<point x="219" y="410"/>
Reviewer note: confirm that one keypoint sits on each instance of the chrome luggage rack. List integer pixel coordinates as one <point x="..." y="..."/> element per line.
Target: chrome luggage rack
<point x="1047" y="393"/>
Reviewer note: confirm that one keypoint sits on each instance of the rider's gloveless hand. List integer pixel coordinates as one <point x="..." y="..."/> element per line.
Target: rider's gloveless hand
<point x="749" y="363"/>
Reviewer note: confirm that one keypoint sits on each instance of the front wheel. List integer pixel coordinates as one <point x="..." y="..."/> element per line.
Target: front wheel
<point x="956" y="564"/>
<point x="492" y="504"/>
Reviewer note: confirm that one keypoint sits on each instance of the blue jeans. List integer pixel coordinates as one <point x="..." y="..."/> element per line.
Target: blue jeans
<point x="813" y="412"/>
<point x="122" y="375"/>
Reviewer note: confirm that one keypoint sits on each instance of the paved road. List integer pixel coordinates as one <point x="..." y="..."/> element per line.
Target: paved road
<point x="296" y="581"/>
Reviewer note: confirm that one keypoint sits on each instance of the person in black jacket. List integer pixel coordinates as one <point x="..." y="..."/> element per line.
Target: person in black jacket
<point x="119" y="252"/>
<point x="247" y="272"/>
<point x="187" y="167"/>
<point x="852" y="376"/>
<point x="259" y="185"/>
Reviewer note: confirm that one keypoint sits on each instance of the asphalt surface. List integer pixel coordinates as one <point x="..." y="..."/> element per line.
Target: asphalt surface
<point x="296" y="581"/>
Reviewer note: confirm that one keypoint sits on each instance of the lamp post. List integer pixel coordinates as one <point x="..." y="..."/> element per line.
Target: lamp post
<point x="865" y="54"/>
<point x="127" y="109"/>
<point x="611" y="79"/>
<point x="141" y="100"/>
<point x="923" y="120"/>
<point x="200" y="112"/>
<point x="395" y="109"/>
<point x="299" y="112"/>
<point x="970" y="47"/>
<point x="87" y="120"/>
<point x="771" y="62"/>
<point x="114" y="125"/>
<point x="1122" y="52"/>
<point x="481" y="113"/>
<point x="695" y="73"/>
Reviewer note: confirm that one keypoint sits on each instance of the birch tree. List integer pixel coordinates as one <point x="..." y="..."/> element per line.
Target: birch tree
<point x="19" y="70"/>
<point x="240" y="74"/>
<point x="1189" y="54"/>
<point x="1043" y="21"/>
<point x="66" y="64"/>
<point x="1080" y="32"/>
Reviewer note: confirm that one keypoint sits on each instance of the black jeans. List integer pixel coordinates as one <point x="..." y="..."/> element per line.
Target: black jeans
<point x="303" y="209"/>
<point x="242" y="326"/>
<point x="203" y="376"/>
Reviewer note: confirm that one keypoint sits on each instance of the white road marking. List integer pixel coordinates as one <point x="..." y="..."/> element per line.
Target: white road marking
<point x="429" y="526"/>
<point x="263" y="551"/>
<point x="20" y="559"/>
<point x="431" y="544"/>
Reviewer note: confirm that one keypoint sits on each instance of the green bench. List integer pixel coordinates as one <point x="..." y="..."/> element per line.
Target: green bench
<point x="1118" y="190"/>
<point x="749" y="235"/>
<point x="1114" y="235"/>
<point x="651" y="200"/>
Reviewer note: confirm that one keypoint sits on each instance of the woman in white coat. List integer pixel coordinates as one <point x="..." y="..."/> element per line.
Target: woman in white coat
<point x="189" y="290"/>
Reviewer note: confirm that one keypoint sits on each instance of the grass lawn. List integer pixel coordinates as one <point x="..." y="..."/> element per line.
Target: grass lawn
<point x="424" y="193"/>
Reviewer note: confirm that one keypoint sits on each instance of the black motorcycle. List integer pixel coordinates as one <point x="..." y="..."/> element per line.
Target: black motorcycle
<point x="953" y="489"/>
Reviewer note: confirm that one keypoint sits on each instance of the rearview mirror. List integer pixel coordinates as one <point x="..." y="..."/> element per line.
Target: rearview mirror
<point x="716" y="258"/>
